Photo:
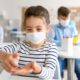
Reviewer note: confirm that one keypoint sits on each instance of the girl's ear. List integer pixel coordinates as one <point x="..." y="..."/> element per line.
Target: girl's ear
<point x="58" y="17"/>
<point x="48" y="28"/>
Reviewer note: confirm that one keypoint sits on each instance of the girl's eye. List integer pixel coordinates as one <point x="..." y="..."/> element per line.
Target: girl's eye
<point x="38" y="29"/>
<point x="29" y="29"/>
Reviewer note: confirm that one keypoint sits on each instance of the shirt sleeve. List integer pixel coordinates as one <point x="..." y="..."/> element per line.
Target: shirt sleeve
<point x="12" y="48"/>
<point x="50" y="64"/>
<point x="56" y="38"/>
<point x="53" y="35"/>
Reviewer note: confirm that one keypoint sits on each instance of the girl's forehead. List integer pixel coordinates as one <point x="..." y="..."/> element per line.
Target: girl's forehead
<point x="35" y="21"/>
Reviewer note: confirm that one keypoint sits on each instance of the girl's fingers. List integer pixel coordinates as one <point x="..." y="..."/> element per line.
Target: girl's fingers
<point x="12" y="60"/>
<point x="12" y="63"/>
<point x="6" y="68"/>
<point x="23" y="71"/>
<point x="9" y="66"/>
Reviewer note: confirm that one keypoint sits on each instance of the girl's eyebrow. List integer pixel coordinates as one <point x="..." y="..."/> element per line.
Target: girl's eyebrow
<point x="28" y="26"/>
<point x="32" y="27"/>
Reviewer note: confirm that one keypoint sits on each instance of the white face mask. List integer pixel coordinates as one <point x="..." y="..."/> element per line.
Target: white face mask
<point x="64" y="23"/>
<point x="35" y="37"/>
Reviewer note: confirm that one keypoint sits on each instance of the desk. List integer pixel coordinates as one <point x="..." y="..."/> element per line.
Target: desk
<point x="7" y="76"/>
<point x="71" y="60"/>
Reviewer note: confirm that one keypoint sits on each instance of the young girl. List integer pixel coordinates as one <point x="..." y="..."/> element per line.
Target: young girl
<point x="38" y="57"/>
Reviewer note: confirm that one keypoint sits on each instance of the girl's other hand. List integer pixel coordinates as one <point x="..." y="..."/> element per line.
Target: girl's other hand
<point x="36" y="67"/>
<point x="8" y="62"/>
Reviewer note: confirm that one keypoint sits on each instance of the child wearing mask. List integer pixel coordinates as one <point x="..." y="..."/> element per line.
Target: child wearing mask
<point x="64" y="29"/>
<point x="38" y="57"/>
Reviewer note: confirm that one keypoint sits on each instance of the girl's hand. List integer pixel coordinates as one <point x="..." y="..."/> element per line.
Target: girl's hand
<point x="25" y="70"/>
<point x="8" y="63"/>
<point x="36" y="67"/>
<point x="29" y="68"/>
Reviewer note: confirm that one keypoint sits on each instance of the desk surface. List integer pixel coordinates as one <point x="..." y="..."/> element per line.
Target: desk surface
<point x="7" y="76"/>
<point x="74" y="55"/>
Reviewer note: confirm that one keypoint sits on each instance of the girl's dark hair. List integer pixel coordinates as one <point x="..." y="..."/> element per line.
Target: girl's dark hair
<point x="63" y="11"/>
<point x="37" y="11"/>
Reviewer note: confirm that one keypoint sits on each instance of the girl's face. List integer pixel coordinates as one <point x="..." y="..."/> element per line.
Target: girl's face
<point x="36" y="24"/>
<point x="36" y="29"/>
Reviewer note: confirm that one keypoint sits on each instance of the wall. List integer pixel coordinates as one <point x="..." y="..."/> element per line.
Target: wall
<point x="3" y="8"/>
<point x="13" y="7"/>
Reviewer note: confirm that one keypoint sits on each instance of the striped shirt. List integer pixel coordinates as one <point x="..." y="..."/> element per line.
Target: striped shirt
<point x="46" y="56"/>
